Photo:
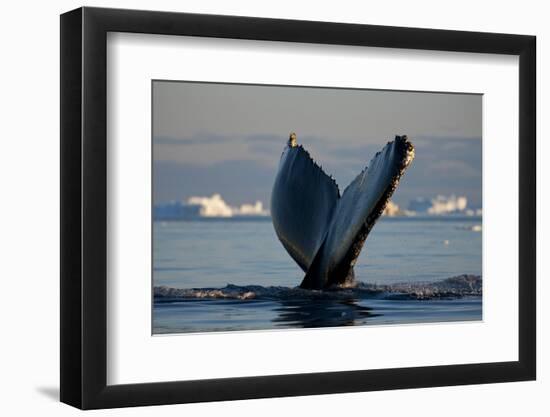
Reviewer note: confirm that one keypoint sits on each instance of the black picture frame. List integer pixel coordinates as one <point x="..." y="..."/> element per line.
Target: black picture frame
<point x="84" y="207"/>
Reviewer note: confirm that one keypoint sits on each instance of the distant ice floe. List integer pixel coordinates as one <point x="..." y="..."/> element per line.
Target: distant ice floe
<point x="442" y="205"/>
<point x="215" y="206"/>
<point x="473" y="228"/>
<point x="197" y="207"/>
<point x="454" y="287"/>
<point x="393" y="210"/>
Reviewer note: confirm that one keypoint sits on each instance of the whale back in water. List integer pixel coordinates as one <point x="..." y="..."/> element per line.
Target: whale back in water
<point x="321" y="230"/>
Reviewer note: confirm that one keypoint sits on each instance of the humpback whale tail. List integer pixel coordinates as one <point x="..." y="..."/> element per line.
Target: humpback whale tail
<point x="322" y="230"/>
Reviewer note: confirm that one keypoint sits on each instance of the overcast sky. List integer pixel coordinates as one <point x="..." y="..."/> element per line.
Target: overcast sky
<point x="228" y="139"/>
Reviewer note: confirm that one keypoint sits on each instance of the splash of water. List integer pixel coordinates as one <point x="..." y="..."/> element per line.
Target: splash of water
<point x="454" y="287"/>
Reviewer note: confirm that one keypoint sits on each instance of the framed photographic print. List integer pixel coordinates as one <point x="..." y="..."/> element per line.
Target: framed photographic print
<point x="257" y="207"/>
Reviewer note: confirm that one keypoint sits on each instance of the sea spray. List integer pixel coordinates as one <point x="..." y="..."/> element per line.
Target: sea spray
<point x="454" y="287"/>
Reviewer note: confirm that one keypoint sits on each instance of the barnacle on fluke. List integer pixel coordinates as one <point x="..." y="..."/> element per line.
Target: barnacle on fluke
<point x="322" y="230"/>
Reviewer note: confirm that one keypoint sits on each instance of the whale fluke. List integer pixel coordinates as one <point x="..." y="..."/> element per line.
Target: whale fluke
<point x="321" y="230"/>
<point x="303" y="201"/>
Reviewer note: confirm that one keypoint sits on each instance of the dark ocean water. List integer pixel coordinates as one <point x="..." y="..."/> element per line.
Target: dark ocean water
<point x="210" y="255"/>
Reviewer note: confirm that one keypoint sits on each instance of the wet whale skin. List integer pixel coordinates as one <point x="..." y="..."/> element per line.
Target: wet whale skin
<point x="322" y="231"/>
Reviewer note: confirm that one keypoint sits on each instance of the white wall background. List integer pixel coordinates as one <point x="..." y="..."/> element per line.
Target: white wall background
<point x="29" y="213"/>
